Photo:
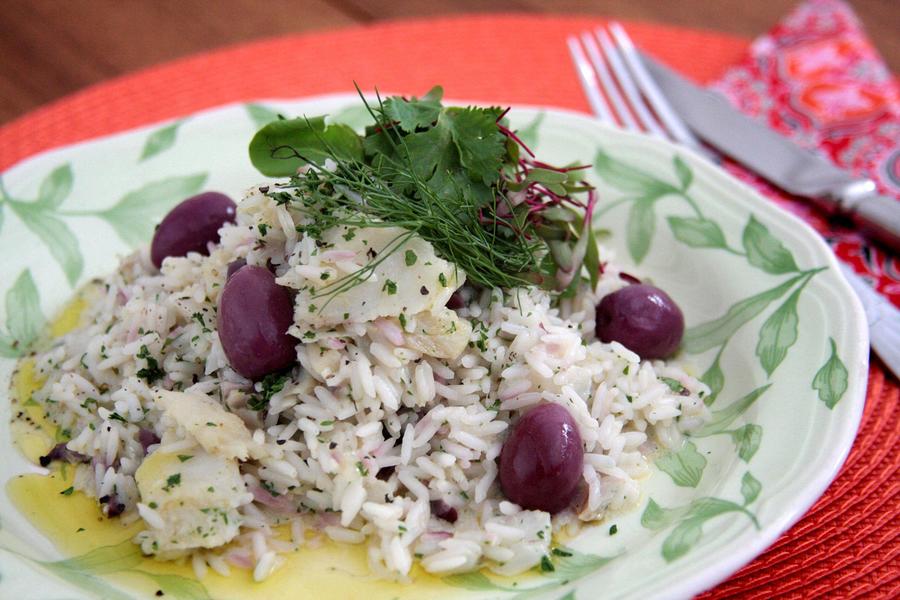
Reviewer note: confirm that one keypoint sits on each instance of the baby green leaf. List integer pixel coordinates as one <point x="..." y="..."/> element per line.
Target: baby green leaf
<point x="778" y="334"/>
<point x="159" y="141"/>
<point x="765" y="251"/>
<point x="281" y="147"/>
<point x="750" y="488"/>
<point x="414" y="113"/>
<point x="712" y="334"/>
<point x="640" y="228"/>
<point x="685" y="467"/>
<point x="136" y="214"/>
<point x="747" y="439"/>
<point x="55" y="188"/>
<point x="722" y="418"/>
<point x="480" y="143"/>
<point x="831" y="379"/>
<point x="697" y="232"/>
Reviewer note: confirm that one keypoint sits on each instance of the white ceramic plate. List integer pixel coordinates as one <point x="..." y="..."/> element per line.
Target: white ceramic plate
<point x="772" y="326"/>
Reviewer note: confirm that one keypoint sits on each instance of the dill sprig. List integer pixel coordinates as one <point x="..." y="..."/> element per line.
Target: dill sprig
<point x="450" y="175"/>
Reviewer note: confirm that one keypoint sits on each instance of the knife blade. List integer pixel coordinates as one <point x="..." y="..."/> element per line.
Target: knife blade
<point x="776" y="158"/>
<point x="712" y="118"/>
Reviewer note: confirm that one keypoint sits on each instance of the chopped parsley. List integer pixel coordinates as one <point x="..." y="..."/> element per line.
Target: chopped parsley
<point x="185" y="457"/>
<point x="443" y="279"/>
<point x="614" y="530"/>
<point x="390" y="287"/>
<point x="263" y="229"/>
<point x="199" y="318"/>
<point x="410" y="258"/>
<point x="172" y="481"/>
<point x="114" y="416"/>
<point x="547" y="565"/>
<point x="673" y="384"/>
<point x="67" y="492"/>
<point x="560" y="552"/>
<point x="402" y="319"/>
<point x="361" y="468"/>
<point x="269" y="386"/>
<point x="151" y="372"/>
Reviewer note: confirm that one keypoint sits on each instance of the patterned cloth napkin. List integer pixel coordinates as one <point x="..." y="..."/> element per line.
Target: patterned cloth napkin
<point x="816" y="78"/>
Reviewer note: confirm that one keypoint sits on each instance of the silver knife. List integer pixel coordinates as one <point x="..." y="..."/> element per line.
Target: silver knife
<point x="798" y="171"/>
<point x="778" y="159"/>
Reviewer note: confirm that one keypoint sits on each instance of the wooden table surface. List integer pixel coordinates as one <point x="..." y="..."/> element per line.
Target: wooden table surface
<point x="51" y="48"/>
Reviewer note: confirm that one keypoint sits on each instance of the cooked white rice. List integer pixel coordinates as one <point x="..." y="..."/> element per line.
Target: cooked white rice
<point x="361" y="403"/>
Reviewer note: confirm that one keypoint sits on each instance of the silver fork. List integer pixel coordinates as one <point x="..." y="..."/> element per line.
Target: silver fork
<point x="621" y="91"/>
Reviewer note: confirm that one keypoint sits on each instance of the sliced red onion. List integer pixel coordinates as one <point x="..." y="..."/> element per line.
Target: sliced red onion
<point x="444" y="511"/>
<point x="61" y="452"/>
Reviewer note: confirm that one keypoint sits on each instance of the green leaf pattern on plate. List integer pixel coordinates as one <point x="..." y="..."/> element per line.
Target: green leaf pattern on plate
<point x="691" y="517"/>
<point x="685" y="467"/>
<point x="86" y="571"/>
<point x="765" y="250"/>
<point x="160" y="140"/>
<point x="777" y="334"/>
<point x="136" y="214"/>
<point x="567" y="565"/>
<point x="24" y="319"/>
<point x="831" y="380"/>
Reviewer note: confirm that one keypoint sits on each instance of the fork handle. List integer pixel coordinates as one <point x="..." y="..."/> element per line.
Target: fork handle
<point x="879" y="218"/>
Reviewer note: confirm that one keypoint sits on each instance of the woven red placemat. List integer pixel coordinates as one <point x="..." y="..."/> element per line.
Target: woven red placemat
<point x="849" y="542"/>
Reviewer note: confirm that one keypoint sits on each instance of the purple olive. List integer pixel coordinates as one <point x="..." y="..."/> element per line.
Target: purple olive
<point x="191" y="225"/>
<point x="254" y="316"/>
<point x="542" y="459"/>
<point x="643" y="318"/>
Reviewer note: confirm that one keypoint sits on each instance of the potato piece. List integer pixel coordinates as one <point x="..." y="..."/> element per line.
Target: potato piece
<point x="217" y="430"/>
<point x="193" y="501"/>
<point x="410" y="279"/>
<point x="440" y="333"/>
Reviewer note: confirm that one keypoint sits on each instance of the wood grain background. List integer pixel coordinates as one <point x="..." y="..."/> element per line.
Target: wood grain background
<point x="50" y="48"/>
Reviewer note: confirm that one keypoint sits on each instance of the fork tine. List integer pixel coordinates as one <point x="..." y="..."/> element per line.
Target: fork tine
<point x="651" y="92"/>
<point x="626" y="81"/>
<point x="589" y="81"/>
<point x="607" y="83"/>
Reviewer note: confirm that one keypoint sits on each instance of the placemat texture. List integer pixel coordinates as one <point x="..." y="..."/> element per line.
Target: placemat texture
<point x="849" y="542"/>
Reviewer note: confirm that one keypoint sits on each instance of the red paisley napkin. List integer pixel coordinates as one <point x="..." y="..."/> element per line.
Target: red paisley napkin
<point x="816" y="78"/>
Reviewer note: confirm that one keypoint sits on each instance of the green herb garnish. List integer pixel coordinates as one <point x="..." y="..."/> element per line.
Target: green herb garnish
<point x="68" y="491"/>
<point x="451" y="175"/>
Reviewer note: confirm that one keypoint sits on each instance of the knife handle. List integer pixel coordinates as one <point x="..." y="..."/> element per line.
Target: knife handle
<point x="879" y="218"/>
